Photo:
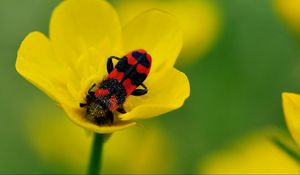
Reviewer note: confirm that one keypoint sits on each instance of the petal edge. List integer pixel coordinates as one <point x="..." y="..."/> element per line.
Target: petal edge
<point x="76" y="116"/>
<point x="291" y="107"/>
<point x="37" y="63"/>
<point x="167" y="91"/>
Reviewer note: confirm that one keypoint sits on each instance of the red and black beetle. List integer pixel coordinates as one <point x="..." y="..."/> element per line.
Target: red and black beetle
<point x="121" y="81"/>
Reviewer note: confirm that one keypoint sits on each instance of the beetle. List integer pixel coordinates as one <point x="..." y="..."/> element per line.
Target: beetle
<point x="122" y="81"/>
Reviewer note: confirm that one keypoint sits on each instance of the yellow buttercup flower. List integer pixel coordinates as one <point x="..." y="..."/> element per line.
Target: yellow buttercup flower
<point x="200" y="21"/>
<point x="289" y="11"/>
<point x="83" y="34"/>
<point x="254" y="154"/>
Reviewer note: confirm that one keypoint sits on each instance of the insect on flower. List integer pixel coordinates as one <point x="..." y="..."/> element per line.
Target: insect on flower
<point x="122" y="80"/>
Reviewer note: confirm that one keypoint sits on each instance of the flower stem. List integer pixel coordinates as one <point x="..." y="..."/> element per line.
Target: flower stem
<point x="96" y="154"/>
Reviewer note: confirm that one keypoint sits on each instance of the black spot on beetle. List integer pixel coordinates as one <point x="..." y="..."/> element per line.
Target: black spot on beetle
<point x="141" y="58"/>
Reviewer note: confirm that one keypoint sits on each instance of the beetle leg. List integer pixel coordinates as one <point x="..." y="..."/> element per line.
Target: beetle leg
<point x="91" y="93"/>
<point x="82" y="105"/>
<point x="89" y="96"/>
<point x="109" y="64"/>
<point x="139" y="92"/>
<point x="121" y="110"/>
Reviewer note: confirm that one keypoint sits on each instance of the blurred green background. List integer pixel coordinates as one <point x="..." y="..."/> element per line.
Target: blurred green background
<point x="235" y="88"/>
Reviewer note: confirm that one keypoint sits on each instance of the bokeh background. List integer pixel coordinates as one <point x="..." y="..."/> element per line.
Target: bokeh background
<point x="247" y="55"/>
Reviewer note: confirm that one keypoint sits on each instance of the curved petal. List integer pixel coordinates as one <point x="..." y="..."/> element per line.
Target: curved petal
<point x="77" y="25"/>
<point x="167" y="91"/>
<point x="291" y="107"/>
<point x="37" y="63"/>
<point x="77" y="116"/>
<point x="158" y="33"/>
<point x="198" y="36"/>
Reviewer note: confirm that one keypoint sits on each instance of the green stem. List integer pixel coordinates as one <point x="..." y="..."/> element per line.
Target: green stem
<point x="96" y="154"/>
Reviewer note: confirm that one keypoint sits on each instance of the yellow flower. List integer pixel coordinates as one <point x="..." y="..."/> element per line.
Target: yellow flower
<point x="200" y="21"/>
<point x="83" y="34"/>
<point x="135" y="150"/>
<point x="289" y="11"/>
<point x="291" y="107"/>
<point x="255" y="154"/>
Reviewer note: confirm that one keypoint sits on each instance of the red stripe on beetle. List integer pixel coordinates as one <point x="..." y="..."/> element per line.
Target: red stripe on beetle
<point x="131" y="60"/>
<point x="115" y="74"/>
<point x="102" y="92"/>
<point x="113" y="103"/>
<point x="142" y="69"/>
<point x="129" y="87"/>
<point x="149" y="58"/>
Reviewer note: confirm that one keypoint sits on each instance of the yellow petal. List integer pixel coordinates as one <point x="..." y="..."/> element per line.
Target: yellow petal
<point x="200" y="21"/>
<point x="77" y="25"/>
<point x="89" y="69"/>
<point x="78" y="117"/>
<point x="37" y="63"/>
<point x="291" y="106"/>
<point x="158" y="33"/>
<point x="166" y="91"/>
